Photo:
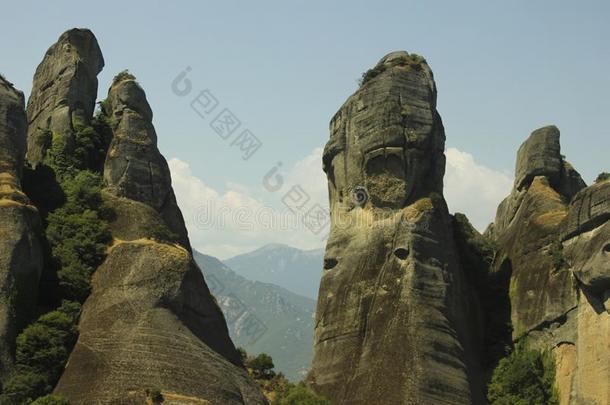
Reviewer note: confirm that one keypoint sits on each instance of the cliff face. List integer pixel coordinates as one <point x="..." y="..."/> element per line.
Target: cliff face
<point x="134" y="168"/>
<point x="526" y="229"/>
<point x="64" y="90"/>
<point x="150" y="322"/>
<point x="20" y="251"/>
<point x="552" y="234"/>
<point x="395" y="320"/>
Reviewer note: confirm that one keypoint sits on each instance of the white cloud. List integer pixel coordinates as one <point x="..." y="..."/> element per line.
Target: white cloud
<point x="474" y="189"/>
<point x="234" y="222"/>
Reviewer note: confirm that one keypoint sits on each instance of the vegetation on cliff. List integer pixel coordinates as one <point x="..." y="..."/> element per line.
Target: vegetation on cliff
<point x="42" y="350"/>
<point x="412" y="61"/>
<point x="277" y="389"/>
<point x="603" y="176"/>
<point x="67" y="187"/>
<point x="525" y="377"/>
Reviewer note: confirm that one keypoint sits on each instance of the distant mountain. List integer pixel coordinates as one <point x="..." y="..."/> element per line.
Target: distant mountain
<point x="296" y="270"/>
<point x="263" y="317"/>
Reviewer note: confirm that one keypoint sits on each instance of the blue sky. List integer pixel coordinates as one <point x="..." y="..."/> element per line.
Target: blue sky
<point x="284" y="68"/>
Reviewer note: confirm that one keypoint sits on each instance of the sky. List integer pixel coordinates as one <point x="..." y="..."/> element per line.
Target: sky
<point x="283" y="68"/>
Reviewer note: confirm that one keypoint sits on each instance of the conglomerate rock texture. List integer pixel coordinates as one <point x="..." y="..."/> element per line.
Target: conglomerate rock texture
<point x="21" y="258"/>
<point x="396" y="321"/>
<point x="64" y="90"/>
<point x="553" y="237"/>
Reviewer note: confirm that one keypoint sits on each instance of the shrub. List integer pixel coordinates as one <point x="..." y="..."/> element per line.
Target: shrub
<point x="603" y="176"/>
<point x="42" y="349"/>
<point x="243" y="355"/>
<point x="51" y="400"/>
<point x="525" y="377"/>
<point x="123" y="75"/>
<point x="59" y="157"/>
<point x="161" y="233"/>
<point x="155" y="396"/>
<point x="412" y="61"/>
<point x="23" y="386"/>
<point x="89" y="146"/>
<point x="557" y="255"/>
<point x="77" y="235"/>
<point x="261" y="366"/>
<point x="43" y="138"/>
<point x="44" y="345"/>
<point x="299" y="395"/>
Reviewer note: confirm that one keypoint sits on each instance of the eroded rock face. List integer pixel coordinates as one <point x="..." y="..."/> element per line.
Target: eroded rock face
<point x="134" y="168"/>
<point x="586" y="333"/>
<point x="150" y="322"/>
<point x="526" y="229"/>
<point x="20" y="252"/>
<point x="587" y="240"/>
<point x="554" y="234"/>
<point x="64" y="90"/>
<point x="393" y="315"/>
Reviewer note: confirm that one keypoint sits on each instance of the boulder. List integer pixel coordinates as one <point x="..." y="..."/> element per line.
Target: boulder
<point x="64" y="90"/>
<point x="395" y="314"/>
<point x="21" y="258"/>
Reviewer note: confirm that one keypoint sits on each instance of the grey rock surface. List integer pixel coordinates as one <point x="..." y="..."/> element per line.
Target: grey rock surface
<point x="394" y="320"/>
<point x="134" y="168"/>
<point x="20" y="251"/>
<point x="553" y="235"/>
<point x="539" y="155"/>
<point x="64" y="90"/>
<point x="587" y="234"/>
<point x="151" y="323"/>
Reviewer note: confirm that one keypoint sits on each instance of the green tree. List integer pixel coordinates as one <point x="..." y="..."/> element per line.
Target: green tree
<point x="261" y="366"/>
<point x="23" y="386"/>
<point x="299" y="395"/>
<point x="525" y="377"/>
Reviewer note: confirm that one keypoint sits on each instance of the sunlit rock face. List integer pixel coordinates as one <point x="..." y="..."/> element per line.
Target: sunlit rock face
<point x="134" y="167"/>
<point x="552" y="234"/>
<point x="587" y="239"/>
<point x="21" y="257"/>
<point x="64" y="90"/>
<point x="395" y="319"/>
<point x="586" y="247"/>
<point x="527" y="227"/>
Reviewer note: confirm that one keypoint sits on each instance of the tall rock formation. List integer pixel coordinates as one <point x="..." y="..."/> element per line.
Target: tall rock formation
<point x="526" y="230"/>
<point x="135" y="169"/>
<point x="64" y="90"/>
<point x="552" y="235"/>
<point x="395" y="322"/>
<point x="20" y="251"/>
<point x="150" y="322"/>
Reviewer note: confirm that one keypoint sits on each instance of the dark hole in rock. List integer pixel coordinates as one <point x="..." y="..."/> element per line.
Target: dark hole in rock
<point x="401" y="253"/>
<point x="329" y="263"/>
